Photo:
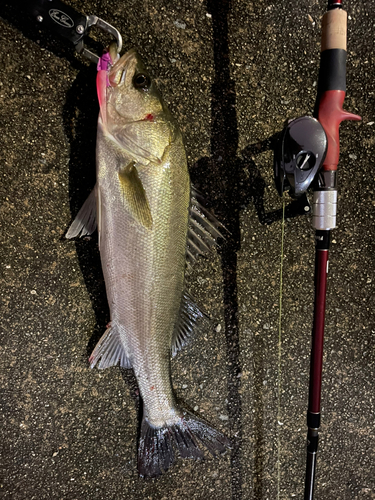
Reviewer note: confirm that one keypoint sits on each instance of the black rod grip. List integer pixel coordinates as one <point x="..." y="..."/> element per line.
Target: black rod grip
<point x="332" y="72"/>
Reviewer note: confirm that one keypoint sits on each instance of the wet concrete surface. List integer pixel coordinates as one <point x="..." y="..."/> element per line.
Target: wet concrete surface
<point x="231" y="74"/>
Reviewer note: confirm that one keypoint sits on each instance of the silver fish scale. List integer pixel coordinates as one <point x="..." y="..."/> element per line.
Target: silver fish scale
<point x="144" y="268"/>
<point x="143" y="207"/>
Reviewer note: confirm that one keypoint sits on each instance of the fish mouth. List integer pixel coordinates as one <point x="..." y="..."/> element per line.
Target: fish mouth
<point x="118" y="71"/>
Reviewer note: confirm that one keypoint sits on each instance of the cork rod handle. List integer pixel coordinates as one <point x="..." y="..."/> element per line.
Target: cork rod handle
<point x="334" y="29"/>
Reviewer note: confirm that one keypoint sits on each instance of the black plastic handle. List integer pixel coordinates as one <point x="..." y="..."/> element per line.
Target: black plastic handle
<point x="57" y="17"/>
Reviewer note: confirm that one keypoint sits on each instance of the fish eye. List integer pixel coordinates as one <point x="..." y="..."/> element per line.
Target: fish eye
<point x="141" y="81"/>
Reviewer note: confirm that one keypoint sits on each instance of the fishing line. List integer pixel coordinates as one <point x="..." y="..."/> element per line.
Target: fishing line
<point x="278" y="418"/>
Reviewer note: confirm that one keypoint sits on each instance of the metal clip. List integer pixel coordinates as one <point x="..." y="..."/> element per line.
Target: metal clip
<point x="104" y="26"/>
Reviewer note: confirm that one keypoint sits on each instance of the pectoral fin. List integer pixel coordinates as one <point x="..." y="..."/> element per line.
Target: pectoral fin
<point x="134" y="195"/>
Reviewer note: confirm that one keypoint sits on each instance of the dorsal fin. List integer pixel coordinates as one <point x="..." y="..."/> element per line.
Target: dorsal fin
<point x="204" y="229"/>
<point x="191" y="318"/>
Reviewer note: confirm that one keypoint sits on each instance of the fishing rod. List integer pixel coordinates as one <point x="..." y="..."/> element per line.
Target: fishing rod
<point x="308" y="154"/>
<point x="329" y="112"/>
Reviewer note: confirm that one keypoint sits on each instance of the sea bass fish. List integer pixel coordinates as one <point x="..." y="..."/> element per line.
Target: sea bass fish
<point x="150" y="223"/>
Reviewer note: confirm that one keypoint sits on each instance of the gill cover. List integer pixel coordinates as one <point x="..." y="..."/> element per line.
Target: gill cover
<point x="131" y="109"/>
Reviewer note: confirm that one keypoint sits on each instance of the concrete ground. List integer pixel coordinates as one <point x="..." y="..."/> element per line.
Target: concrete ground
<point x="231" y="74"/>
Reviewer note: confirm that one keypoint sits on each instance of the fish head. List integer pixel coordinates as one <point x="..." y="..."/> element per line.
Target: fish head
<point x="132" y="94"/>
<point x="135" y="115"/>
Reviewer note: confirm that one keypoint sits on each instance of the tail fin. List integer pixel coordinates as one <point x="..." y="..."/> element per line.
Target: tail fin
<point x="157" y="445"/>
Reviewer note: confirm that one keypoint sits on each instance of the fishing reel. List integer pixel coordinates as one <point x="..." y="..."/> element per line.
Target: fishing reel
<point x="299" y="154"/>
